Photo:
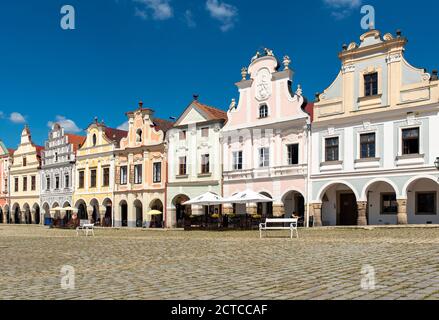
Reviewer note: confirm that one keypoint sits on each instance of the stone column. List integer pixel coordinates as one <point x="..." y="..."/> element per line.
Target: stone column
<point x="23" y="217"/>
<point x="171" y="218"/>
<point x="90" y="213"/>
<point x="102" y="212"/>
<point x="402" y="211"/>
<point x="32" y="216"/>
<point x="278" y="210"/>
<point x="5" y="217"/>
<point x="317" y="210"/>
<point x="362" y="213"/>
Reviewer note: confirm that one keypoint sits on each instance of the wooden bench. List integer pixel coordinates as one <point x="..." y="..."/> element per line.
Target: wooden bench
<point x="279" y="224"/>
<point x="86" y="227"/>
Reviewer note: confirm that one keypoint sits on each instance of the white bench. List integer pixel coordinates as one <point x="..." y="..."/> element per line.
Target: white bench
<point x="86" y="227"/>
<point x="274" y="224"/>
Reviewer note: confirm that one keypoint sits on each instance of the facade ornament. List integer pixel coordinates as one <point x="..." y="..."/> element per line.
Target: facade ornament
<point x="352" y="45"/>
<point x="268" y="52"/>
<point x="256" y="56"/>
<point x="299" y="91"/>
<point x="397" y="57"/>
<point x="348" y="68"/>
<point x="232" y="104"/>
<point x="244" y="73"/>
<point x="287" y="62"/>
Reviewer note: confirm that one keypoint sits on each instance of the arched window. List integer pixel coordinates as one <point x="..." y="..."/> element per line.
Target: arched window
<point x="263" y="111"/>
<point x="94" y="140"/>
<point x="139" y="135"/>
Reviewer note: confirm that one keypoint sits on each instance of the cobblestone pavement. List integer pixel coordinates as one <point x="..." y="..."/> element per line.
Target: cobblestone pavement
<point x="139" y="264"/>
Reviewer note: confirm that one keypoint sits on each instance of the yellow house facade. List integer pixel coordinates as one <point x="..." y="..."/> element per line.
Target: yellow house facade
<point x="95" y="179"/>
<point x="25" y="181"/>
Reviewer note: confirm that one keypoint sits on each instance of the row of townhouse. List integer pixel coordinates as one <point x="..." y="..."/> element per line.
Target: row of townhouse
<point x="365" y="152"/>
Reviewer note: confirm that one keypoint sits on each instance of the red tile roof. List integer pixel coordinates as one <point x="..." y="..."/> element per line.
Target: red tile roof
<point x="309" y="108"/>
<point x="162" y="124"/>
<point x="39" y="149"/>
<point x="76" y="141"/>
<point x="211" y="112"/>
<point x="11" y="151"/>
<point x="115" y="134"/>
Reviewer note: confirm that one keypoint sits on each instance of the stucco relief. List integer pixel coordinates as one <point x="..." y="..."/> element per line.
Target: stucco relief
<point x="263" y="85"/>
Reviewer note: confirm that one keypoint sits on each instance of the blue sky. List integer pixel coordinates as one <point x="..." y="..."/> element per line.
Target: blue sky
<point x="162" y="52"/>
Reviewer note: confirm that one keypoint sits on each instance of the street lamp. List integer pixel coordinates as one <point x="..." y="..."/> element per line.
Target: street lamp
<point x="436" y="163"/>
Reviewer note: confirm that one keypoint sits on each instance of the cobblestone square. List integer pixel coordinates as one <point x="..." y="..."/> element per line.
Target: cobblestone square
<point x="140" y="264"/>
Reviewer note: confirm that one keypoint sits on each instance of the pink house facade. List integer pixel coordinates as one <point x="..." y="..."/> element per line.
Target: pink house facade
<point x="5" y="162"/>
<point x="265" y="140"/>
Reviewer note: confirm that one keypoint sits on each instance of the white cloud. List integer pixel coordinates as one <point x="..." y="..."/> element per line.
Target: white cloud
<point x="140" y="13"/>
<point x="68" y="125"/>
<point x="160" y="9"/>
<point x="223" y="12"/>
<point x="341" y="9"/>
<point x="2" y="114"/>
<point x="124" y="126"/>
<point x="189" y="19"/>
<point x="17" y="117"/>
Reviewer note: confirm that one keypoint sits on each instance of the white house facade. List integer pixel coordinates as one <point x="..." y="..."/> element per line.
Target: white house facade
<point x="374" y="139"/>
<point x="194" y="160"/>
<point x="57" y="173"/>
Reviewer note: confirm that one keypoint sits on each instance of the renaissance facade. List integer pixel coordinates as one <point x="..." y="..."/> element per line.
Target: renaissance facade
<point x="373" y="139"/>
<point x="195" y="159"/>
<point x="141" y="171"/>
<point x="264" y="142"/>
<point x="58" y="172"/>
<point x="25" y="181"/>
<point x="95" y="174"/>
<point x="5" y="162"/>
<point x="363" y="154"/>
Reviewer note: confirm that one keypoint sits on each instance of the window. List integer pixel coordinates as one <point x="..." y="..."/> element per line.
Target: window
<point x="182" y="135"/>
<point x="182" y="166"/>
<point x="264" y="157"/>
<point x="367" y="146"/>
<point x="56" y="156"/>
<point x="94" y="140"/>
<point x="106" y="173"/>
<point x="48" y="183"/>
<point x="293" y="154"/>
<point x="331" y="149"/>
<point x="205" y="132"/>
<point x="426" y="203"/>
<point x="410" y="141"/>
<point x="16" y="185"/>
<point x="205" y="166"/>
<point x="124" y="175"/>
<point x="81" y="179"/>
<point x="237" y="160"/>
<point x="157" y="172"/>
<point x="57" y="183"/>
<point x="67" y="181"/>
<point x="5" y="184"/>
<point x="24" y="162"/>
<point x="263" y="111"/>
<point x="138" y="174"/>
<point x="371" y="84"/>
<point x="93" y="178"/>
<point x="33" y="183"/>
<point x="24" y="183"/>
<point x="139" y="135"/>
<point x="388" y="203"/>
